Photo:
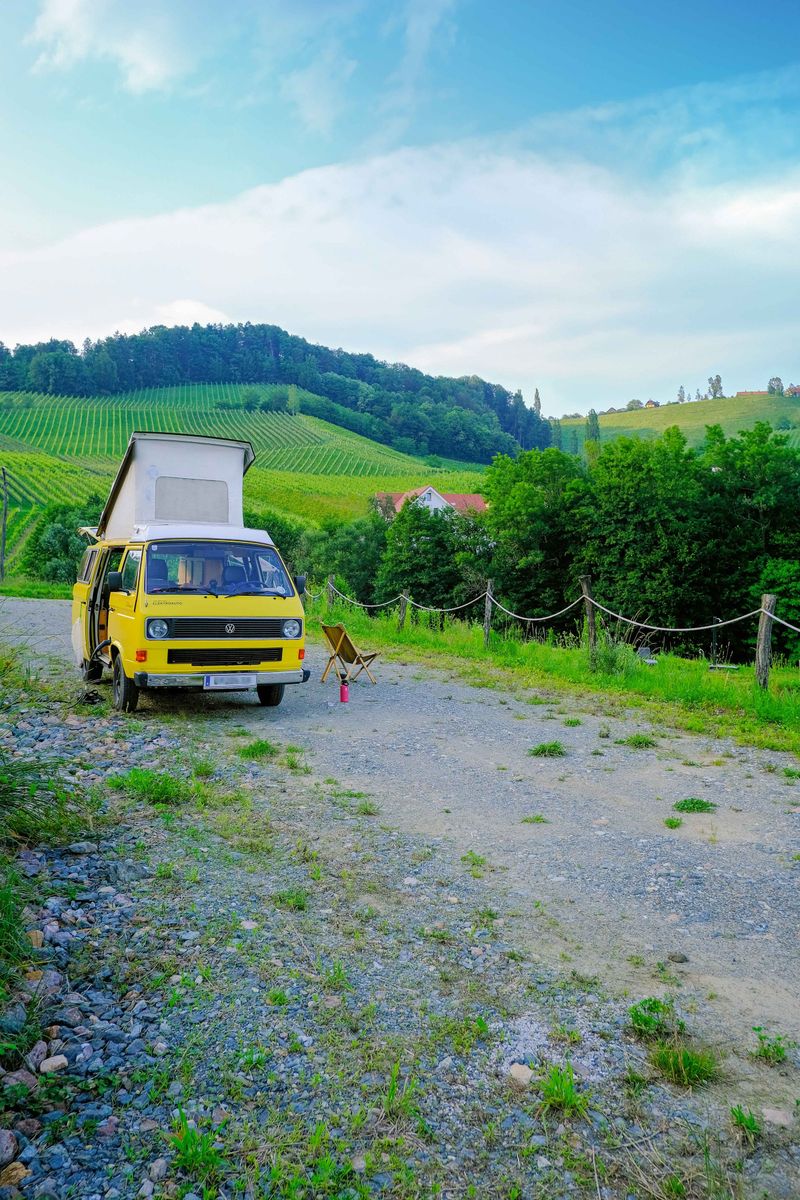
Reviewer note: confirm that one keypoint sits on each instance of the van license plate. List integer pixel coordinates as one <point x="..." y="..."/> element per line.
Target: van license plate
<point x="233" y="679"/>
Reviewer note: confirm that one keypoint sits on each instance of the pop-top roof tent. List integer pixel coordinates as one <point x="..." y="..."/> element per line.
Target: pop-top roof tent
<point x="176" y="479"/>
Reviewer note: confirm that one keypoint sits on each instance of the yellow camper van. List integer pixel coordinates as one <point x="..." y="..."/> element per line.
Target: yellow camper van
<point x="174" y="591"/>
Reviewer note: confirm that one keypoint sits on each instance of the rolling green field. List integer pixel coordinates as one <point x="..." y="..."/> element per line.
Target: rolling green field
<point x="66" y="448"/>
<point x="733" y="413"/>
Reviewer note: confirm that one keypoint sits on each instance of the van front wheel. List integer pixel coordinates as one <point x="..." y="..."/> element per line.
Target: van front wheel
<point x="271" y="694"/>
<point x="126" y="693"/>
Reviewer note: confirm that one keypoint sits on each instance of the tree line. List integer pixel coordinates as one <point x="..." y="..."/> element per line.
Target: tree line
<point x="397" y="405"/>
<point x="671" y="535"/>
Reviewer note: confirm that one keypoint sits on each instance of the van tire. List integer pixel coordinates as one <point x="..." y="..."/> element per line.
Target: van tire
<point x="271" y="694"/>
<point x="91" y="671"/>
<point x="126" y="693"/>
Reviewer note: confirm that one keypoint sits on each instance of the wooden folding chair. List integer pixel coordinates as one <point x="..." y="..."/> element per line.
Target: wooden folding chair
<point x="346" y="655"/>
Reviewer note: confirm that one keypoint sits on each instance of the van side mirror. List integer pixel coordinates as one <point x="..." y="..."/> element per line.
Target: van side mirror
<point x="114" y="581"/>
<point x="300" y="584"/>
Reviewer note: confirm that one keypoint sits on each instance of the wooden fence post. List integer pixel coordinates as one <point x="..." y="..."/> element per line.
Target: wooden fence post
<point x="764" y="640"/>
<point x="4" y="527"/>
<point x="487" y="615"/>
<point x="591" y="623"/>
<point x="401" y="615"/>
<point x="330" y="590"/>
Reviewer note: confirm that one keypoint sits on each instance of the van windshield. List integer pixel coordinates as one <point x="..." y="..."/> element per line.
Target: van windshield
<point x="215" y="568"/>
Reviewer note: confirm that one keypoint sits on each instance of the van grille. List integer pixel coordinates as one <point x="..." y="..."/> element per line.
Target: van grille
<point x="219" y="627"/>
<point x="225" y="658"/>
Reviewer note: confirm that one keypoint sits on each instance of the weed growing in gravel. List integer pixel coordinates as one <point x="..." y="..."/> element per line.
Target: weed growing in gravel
<point x="260" y="748"/>
<point x="693" y="804"/>
<point x="604" y="731"/>
<point x="566" y="1033"/>
<point x="195" y="1152"/>
<point x="637" y="741"/>
<point x="679" y="1064"/>
<point x="436" y="934"/>
<point x="559" y="1092"/>
<point x="653" y="1018"/>
<point x="336" y="978"/>
<point x="253" y="1058"/>
<point x="278" y="997"/>
<point x="535" y="819"/>
<point x="398" y="1102"/>
<point x="475" y="862"/>
<point x="368" y="808"/>
<point x="673" y="822"/>
<point x="294" y="762"/>
<point x="547" y="750"/>
<point x="572" y="722"/>
<point x="292" y="898"/>
<point x="771" y="1049"/>
<point x="747" y="1123"/>
<point x="238" y="731"/>
<point x="154" y="786"/>
<point x="791" y="773"/>
<point x="203" y="768"/>
<point x="461" y="1033"/>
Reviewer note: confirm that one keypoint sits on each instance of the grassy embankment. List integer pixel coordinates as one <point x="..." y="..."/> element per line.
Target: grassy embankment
<point x="34" y="810"/>
<point x="679" y="692"/>
<point x="733" y="413"/>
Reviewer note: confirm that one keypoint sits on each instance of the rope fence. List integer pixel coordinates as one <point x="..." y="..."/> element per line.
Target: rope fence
<point x="765" y="613"/>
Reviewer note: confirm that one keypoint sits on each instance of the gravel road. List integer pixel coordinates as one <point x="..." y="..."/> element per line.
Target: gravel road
<point x="599" y="886"/>
<point x="354" y="953"/>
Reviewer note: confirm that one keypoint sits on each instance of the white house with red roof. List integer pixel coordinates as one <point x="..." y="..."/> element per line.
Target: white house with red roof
<point x="469" y="502"/>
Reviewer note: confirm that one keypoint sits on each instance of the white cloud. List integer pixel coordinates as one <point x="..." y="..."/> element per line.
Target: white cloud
<point x="422" y="23"/>
<point x="145" y="41"/>
<point x="317" y="91"/>
<point x="460" y="259"/>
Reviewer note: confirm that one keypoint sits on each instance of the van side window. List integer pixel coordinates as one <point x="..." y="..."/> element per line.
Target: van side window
<point x="130" y="571"/>
<point x="87" y="564"/>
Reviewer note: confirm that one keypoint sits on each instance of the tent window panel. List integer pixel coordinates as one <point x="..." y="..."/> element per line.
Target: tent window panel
<point x="191" y="499"/>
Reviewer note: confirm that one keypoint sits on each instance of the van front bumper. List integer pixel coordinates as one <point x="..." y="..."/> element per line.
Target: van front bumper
<point x="144" y="679"/>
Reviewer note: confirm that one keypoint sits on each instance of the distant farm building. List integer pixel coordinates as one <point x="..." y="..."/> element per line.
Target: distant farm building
<point x="752" y="393"/>
<point x="469" y="502"/>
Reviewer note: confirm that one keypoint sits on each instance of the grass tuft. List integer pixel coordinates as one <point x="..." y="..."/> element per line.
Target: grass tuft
<point x="260" y="748"/>
<point x="693" y="804"/>
<point x="681" y="1065"/>
<point x="547" y="750"/>
<point x="560" y="1092"/>
<point x="638" y="741"/>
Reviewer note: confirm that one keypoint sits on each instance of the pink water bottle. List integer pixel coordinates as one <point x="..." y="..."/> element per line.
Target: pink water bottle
<point x="344" y="691"/>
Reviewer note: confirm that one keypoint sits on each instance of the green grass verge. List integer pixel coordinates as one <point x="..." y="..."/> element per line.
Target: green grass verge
<point x="678" y="692"/>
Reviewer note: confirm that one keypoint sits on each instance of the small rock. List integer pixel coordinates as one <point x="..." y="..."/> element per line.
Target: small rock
<point x="29" y="1127"/>
<point x="81" y="847"/>
<point x="36" y="1056"/>
<point x="147" y="1188"/>
<point x="359" y="1163"/>
<point x="56" y="1063"/>
<point x="9" y="1147"/>
<point x="331" y="1001"/>
<point x="13" y="1174"/>
<point x="20" y="1078"/>
<point x="520" y="1075"/>
<point x="778" y="1116"/>
<point x="36" y="938"/>
<point x="158" y="1170"/>
<point x="148" y="1125"/>
<point x="676" y="957"/>
<point x="249" y="925"/>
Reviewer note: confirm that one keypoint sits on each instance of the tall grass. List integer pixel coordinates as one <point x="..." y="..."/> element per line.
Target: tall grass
<point x="681" y="691"/>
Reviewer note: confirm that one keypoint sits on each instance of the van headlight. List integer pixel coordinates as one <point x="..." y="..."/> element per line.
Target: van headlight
<point x="292" y="629"/>
<point x="157" y="628"/>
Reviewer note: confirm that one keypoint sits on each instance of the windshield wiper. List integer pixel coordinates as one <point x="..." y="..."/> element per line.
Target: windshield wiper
<point x="257" y="592"/>
<point x="180" y="591"/>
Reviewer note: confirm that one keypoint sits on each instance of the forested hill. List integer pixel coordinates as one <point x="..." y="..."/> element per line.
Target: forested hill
<point x="419" y="414"/>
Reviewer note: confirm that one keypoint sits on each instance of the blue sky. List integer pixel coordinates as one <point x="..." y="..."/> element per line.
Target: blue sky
<point x="599" y="200"/>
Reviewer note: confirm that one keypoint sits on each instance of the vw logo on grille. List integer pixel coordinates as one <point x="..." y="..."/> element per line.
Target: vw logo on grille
<point x="230" y="627"/>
